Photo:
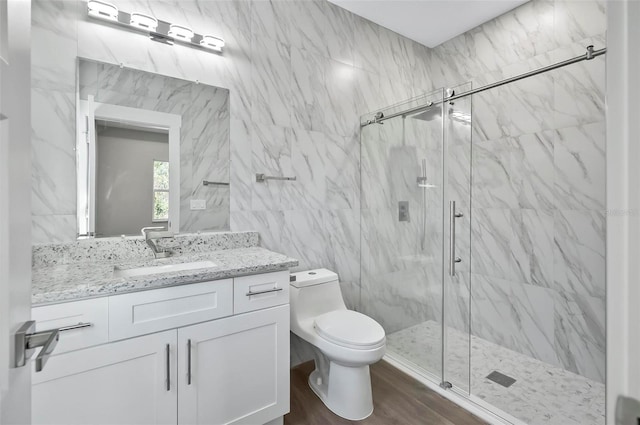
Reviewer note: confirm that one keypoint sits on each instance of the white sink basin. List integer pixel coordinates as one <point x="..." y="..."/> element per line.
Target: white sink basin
<point x="167" y="268"/>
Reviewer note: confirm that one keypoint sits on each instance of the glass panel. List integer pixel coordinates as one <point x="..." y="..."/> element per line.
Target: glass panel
<point x="538" y="246"/>
<point x="457" y="160"/>
<point x="402" y="231"/>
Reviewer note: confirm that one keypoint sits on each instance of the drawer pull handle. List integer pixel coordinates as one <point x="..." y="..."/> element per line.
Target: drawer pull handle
<point x="263" y="292"/>
<point x="78" y="326"/>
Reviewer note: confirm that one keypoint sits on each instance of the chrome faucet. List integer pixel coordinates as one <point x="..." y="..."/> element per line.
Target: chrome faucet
<point x="152" y="233"/>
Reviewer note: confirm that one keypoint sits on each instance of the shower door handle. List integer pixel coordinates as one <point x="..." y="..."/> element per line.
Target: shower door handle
<point x="452" y="238"/>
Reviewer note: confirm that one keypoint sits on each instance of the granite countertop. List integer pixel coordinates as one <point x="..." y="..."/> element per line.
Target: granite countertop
<point x="71" y="282"/>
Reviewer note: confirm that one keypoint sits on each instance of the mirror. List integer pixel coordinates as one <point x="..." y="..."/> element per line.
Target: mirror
<point x="152" y="151"/>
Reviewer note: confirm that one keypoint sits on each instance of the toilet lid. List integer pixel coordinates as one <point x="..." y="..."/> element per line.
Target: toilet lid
<point x="350" y="328"/>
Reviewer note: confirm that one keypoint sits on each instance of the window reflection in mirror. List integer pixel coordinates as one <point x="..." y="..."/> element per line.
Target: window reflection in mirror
<point x="160" y="191"/>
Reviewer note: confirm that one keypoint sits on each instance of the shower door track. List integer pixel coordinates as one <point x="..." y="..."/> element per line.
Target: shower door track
<point x="590" y="54"/>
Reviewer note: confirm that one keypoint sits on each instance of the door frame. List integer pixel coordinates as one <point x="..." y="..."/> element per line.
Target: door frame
<point x="88" y="112"/>
<point x="15" y="204"/>
<point x="623" y="205"/>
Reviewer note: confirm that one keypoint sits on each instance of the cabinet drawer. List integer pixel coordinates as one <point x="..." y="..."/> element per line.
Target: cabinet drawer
<point x="87" y="312"/>
<point x="260" y="291"/>
<point x="155" y="310"/>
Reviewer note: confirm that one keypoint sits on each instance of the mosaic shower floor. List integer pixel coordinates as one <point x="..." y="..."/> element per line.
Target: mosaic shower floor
<point x="542" y="393"/>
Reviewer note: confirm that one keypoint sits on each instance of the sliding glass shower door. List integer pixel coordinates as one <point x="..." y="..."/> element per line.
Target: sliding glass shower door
<point x="456" y="325"/>
<point x="415" y="160"/>
<point x="402" y="226"/>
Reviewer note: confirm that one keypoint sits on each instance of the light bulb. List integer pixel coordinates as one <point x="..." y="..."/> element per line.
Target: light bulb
<point x="180" y="32"/>
<point x="211" y="42"/>
<point x="143" y="21"/>
<point x="103" y="10"/>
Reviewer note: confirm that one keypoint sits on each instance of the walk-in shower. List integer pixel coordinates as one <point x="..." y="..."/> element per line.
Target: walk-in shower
<point x="482" y="244"/>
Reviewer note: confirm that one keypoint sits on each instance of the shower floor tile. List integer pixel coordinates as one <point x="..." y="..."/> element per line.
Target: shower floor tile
<point x="542" y="393"/>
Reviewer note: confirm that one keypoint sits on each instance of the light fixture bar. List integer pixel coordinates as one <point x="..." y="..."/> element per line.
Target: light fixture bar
<point x="156" y="29"/>
<point x="102" y="10"/>
<point x="144" y="22"/>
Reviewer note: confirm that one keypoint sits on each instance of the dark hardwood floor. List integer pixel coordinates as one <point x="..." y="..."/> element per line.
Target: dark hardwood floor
<point x="397" y="399"/>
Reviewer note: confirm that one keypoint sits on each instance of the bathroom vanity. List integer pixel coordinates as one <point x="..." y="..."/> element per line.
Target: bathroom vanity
<point x="204" y="345"/>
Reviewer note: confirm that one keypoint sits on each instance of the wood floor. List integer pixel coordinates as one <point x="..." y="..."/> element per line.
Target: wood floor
<point x="397" y="399"/>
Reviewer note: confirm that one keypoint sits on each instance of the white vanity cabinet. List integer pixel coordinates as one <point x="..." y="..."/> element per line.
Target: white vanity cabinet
<point x="235" y="370"/>
<point x="124" y="382"/>
<point x="177" y="355"/>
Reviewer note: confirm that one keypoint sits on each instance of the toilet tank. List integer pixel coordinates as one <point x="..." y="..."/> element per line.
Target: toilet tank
<point x="314" y="292"/>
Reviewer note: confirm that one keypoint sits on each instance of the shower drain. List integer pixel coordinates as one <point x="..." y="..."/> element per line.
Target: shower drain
<point x="501" y="378"/>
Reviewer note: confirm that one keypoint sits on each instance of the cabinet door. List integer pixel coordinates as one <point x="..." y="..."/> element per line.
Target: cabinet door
<point x="239" y="369"/>
<point x="127" y="382"/>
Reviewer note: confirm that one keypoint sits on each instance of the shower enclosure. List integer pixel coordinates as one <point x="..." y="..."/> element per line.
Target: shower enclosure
<point x="470" y="253"/>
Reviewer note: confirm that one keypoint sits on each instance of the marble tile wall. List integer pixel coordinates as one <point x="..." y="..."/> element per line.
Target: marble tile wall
<point x="299" y="74"/>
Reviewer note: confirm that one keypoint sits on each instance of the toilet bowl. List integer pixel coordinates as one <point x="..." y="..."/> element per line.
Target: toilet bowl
<point x="344" y="342"/>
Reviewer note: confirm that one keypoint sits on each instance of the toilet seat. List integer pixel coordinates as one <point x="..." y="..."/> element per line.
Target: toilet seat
<point x="350" y="329"/>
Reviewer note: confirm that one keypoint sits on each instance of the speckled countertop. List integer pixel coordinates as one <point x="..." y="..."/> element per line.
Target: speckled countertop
<point x="70" y="282"/>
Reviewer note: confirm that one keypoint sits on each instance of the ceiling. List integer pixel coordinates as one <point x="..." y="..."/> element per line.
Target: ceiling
<point x="429" y="22"/>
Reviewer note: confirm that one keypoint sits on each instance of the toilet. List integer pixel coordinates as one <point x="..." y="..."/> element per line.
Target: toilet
<point x="344" y="342"/>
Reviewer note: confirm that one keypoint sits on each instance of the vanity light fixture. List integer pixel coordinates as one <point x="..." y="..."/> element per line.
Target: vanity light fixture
<point x="156" y="29"/>
<point x="180" y="32"/>
<point x="102" y="10"/>
<point x="211" y="42"/>
<point x="143" y="21"/>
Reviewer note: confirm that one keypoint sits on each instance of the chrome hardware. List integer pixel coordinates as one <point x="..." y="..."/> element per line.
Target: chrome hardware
<point x="262" y="178"/>
<point x="188" y="362"/>
<point x="452" y="238"/>
<point x="168" y="354"/>
<point x="403" y="211"/>
<point x="263" y="292"/>
<point x="27" y="340"/>
<point x="422" y="180"/>
<point x="78" y="326"/>
<point x="208" y="183"/>
<point x="151" y="233"/>
<point x="446" y="385"/>
<point x="450" y="96"/>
